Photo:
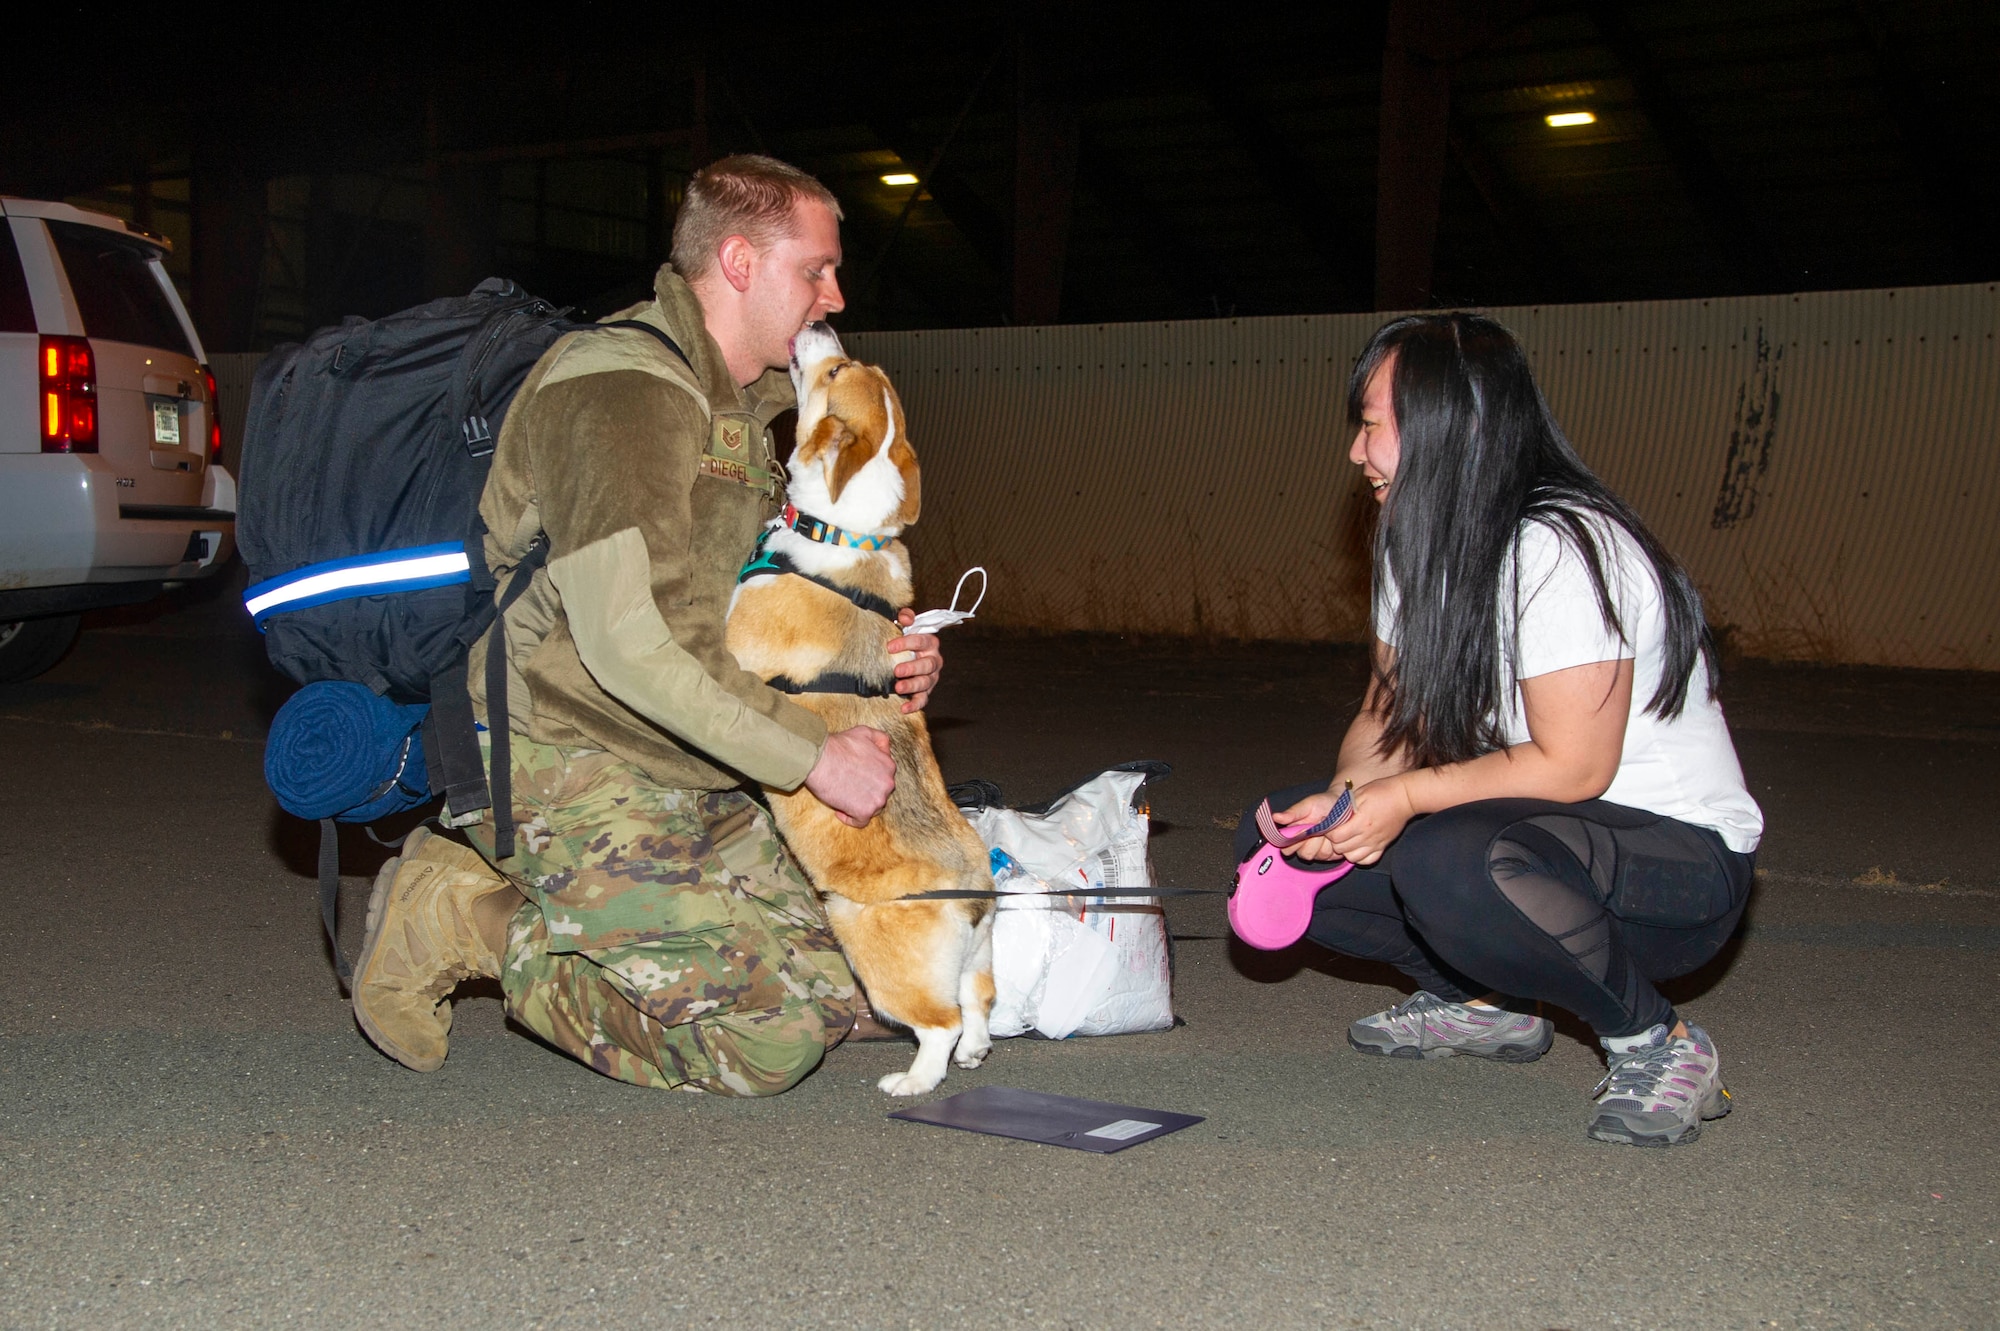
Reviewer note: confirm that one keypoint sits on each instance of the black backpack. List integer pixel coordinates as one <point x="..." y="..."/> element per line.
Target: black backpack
<point x="365" y="454"/>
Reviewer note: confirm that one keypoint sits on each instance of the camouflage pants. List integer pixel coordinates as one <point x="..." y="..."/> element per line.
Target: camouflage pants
<point x="668" y="939"/>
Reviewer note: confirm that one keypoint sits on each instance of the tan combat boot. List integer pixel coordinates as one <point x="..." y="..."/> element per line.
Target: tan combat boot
<point x="423" y="938"/>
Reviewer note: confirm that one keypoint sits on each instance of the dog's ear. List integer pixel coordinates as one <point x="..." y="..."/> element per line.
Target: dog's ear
<point x="905" y="459"/>
<point x="855" y="453"/>
<point x="831" y="433"/>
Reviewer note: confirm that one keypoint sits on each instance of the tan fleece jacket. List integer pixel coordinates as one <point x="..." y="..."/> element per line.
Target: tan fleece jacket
<point x="651" y="479"/>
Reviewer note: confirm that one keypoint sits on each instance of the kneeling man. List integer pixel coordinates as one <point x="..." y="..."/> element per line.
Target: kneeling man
<point x="650" y="923"/>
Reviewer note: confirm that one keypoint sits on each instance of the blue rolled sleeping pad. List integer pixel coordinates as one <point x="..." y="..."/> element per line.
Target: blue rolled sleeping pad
<point x="339" y="750"/>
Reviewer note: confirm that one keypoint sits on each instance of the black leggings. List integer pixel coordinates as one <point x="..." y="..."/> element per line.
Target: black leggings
<point x="1579" y="905"/>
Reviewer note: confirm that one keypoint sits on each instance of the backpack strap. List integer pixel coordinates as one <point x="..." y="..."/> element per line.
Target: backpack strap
<point x="517" y="312"/>
<point x="579" y="355"/>
<point x="497" y="722"/>
<point x="660" y="334"/>
<point x="451" y="746"/>
<point x="329" y="897"/>
<point x="450" y="733"/>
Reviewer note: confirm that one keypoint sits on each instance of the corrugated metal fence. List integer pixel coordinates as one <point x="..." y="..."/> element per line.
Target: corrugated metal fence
<point x="1828" y="465"/>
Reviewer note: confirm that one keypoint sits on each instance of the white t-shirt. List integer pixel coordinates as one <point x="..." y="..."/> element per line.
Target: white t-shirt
<point x="1685" y="768"/>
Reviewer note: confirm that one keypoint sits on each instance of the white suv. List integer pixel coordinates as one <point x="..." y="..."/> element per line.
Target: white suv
<point x="110" y="442"/>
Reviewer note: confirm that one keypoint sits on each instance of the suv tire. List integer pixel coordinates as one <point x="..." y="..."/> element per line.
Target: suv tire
<point x="30" y="646"/>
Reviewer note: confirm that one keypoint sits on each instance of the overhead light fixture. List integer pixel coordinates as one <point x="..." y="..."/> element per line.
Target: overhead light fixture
<point x="1564" y="119"/>
<point x="899" y="178"/>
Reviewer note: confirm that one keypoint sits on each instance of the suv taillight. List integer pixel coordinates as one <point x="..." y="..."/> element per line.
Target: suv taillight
<point x="214" y="416"/>
<point x="69" y="395"/>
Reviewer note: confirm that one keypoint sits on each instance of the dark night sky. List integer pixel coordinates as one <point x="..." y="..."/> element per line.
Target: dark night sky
<point x="1220" y="160"/>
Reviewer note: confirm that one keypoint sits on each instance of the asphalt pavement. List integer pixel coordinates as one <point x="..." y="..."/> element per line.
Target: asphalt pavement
<point x="193" y="1133"/>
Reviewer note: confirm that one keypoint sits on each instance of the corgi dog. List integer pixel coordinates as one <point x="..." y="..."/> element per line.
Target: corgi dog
<point x="811" y="615"/>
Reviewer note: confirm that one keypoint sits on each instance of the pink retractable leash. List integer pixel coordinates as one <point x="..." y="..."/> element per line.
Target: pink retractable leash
<point x="1273" y="900"/>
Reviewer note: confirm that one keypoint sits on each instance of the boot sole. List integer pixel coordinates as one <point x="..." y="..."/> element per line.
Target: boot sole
<point x="1513" y="1053"/>
<point x="378" y="903"/>
<point x="1619" y="1131"/>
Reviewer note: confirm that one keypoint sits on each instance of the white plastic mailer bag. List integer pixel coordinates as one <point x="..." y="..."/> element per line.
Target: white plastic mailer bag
<point x="1076" y="965"/>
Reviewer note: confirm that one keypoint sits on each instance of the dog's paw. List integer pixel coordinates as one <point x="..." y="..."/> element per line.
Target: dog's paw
<point x="971" y="1055"/>
<point x="908" y="1083"/>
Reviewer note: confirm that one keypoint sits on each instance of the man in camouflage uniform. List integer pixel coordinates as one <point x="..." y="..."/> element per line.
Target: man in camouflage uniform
<point x="667" y="938"/>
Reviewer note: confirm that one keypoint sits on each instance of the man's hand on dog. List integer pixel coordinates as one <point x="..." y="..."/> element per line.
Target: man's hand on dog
<point x="854" y="774"/>
<point x="917" y="676"/>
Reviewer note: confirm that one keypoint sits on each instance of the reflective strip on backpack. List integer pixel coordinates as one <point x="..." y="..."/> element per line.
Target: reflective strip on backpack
<point x="407" y="570"/>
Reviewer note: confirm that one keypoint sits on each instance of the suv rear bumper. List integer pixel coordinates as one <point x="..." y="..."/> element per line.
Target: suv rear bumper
<point x="40" y="602"/>
<point x="64" y="526"/>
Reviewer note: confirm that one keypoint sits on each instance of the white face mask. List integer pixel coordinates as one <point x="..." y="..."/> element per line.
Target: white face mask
<point x="930" y="621"/>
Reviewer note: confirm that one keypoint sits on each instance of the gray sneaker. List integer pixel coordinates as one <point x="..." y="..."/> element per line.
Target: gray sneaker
<point x="1425" y="1026"/>
<point x="1659" y="1093"/>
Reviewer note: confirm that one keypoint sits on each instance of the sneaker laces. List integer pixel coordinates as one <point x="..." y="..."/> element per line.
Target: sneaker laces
<point x="1414" y="1011"/>
<point x="1638" y="1074"/>
<point x="1410" y="1014"/>
<point x="1416" y="1004"/>
<point x="1423" y="1001"/>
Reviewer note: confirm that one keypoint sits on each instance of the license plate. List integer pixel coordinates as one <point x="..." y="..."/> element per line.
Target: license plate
<point x="167" y="423"/>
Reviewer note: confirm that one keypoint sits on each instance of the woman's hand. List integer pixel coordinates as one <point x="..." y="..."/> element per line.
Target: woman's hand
<point x="1308" y="812"/>
<point x="1382" y="809"/>
<point x="919" y="662"/>
<point x="1305" y="813"/>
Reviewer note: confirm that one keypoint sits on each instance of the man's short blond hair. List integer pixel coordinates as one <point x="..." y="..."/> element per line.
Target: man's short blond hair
<point x="746" y="195"/>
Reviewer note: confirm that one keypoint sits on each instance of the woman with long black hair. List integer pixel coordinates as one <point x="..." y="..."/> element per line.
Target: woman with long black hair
<point x="1547" y="806"/>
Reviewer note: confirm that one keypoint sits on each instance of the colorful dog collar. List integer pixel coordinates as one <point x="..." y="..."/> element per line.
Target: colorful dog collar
<point x="826" y="533"/>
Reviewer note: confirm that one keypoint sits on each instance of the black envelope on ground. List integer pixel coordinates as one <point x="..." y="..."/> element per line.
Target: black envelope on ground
<point x="1055" y="1120"/>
